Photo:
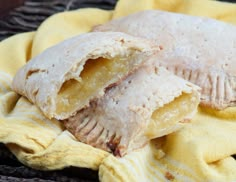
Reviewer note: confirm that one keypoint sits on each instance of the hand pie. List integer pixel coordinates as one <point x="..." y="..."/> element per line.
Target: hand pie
<point x="200" y="50"/>
<point x="108" y="90"/>
<point x="149" y="103"/>
<point x="66" y="77"/>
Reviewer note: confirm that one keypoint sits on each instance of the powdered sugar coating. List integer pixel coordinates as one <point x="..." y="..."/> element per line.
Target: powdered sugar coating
<point x="199" y="49"/>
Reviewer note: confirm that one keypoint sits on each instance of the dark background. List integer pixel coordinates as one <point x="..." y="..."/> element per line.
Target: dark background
<point x="25" y="15"/>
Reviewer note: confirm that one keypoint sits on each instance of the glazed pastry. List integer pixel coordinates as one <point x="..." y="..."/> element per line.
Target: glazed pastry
<point x="108" y="90"/>
<point x="198" y="49"/>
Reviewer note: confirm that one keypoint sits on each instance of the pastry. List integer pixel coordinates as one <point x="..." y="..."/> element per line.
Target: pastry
<point x="150" y="103"/>
<point x="198" y="49"/>
<point x="109" y="90"/>
<point x="65" y="77"/>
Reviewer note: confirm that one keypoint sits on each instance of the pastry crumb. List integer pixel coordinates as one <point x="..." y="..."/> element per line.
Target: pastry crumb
<point x="169" y="176"/>
<point x="185" y="120"/>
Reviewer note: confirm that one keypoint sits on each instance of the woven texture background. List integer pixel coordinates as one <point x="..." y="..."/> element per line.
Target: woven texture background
<point x="27" y="18"/>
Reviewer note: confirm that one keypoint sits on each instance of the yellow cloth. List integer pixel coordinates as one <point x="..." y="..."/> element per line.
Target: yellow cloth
<point x="202" y="151"/>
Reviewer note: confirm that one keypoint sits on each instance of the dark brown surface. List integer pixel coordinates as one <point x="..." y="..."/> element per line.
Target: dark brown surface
<point x="29" y="16"/>
<point x="12" y="170"/>
<point x="25" y="18"/>
<point x="7" y="5"/>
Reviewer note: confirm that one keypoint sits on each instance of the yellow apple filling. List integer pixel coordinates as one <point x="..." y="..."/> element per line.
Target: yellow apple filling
<point x="164" y="119"/>
<point x="97" y="74"/>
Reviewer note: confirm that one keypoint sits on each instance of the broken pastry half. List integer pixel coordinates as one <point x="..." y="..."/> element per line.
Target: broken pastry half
<point x="149" y="103"/>
<point x="108" y="90"/>
<point x="66" y="77"/>
<point x="200" y="50"/>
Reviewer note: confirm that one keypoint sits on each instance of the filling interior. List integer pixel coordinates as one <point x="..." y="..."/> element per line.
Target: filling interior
<point x="163" y="119"/>
<point x="97" y="74"/>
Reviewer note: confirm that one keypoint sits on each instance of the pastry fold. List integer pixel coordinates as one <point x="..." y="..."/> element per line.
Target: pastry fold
<point x="109" y="90"/>
<point x="150" y="103"/>
<point x="65" y="77"/>
<point x="200" y="50"/>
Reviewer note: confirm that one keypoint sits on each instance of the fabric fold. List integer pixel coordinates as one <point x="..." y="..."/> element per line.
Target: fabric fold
<point x="201" y="151"/>
<point x="193" y="153"/>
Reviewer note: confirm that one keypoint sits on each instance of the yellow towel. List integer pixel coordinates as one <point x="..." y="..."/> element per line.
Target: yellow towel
<point x="202" y="151"/>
